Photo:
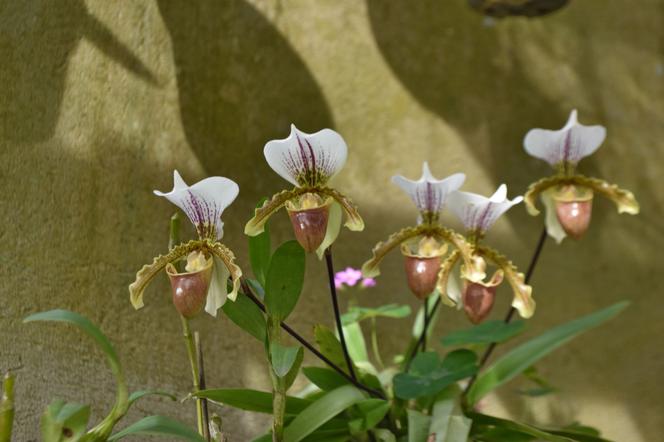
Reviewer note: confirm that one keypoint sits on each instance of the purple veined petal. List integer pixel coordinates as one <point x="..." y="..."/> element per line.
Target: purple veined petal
<point x="428" y="193"/>
<point x="338" y="283"/>
<point x="478" y="212"/>
<point x="204" y="202"/>
<point x="307" y="159"/>
<point x="569" y="144"/>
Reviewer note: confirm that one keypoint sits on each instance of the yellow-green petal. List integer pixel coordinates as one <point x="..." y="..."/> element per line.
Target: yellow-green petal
<point x="149" y="271"/>
<point x="443" y="277"/>
<point x="354" y="221"/>
<point x="226" y="255"/>
<point x="370" y="269"/>
<point x="256" y="225"/>
<point x="623" y="199"/>
<point x="523" y="301"/>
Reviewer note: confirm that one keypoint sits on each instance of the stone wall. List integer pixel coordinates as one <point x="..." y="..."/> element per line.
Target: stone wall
<point x="100" y="101"/>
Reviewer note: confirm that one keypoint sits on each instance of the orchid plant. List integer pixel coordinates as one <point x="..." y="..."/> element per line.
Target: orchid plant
<point x="567" y="196"/>
<point x="418" y="395"/>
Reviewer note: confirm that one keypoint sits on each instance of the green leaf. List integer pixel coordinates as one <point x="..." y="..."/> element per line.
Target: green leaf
<point x="159" y="426"/>
<point x="383" y="435"/>
<point x="520" y="358"/>
<point x="482" y="419"/>
<point x="283" y="358"/>
<point x="485" y="333"/>
<point x="284" y="280"/>
<point x="63" y="422"/>
<point x="372" y="412"/>
<point x="357" y="347"/>
<point x="429" y="375"/>
<point x="418" y="325"/>
<point x="246" y="315"/>
<point x="260" y="251"/>
<point x="252" y="400"/>
<point x="418" y="426"/>
<point x="83" y="324"/>
<point x="324" y="378"/>
<point x="321" y="411"/>
<point x="357" y="314"/>
<point x="142" y="393"/>
<point x="329" y="345"/>
<point x="290" y="377"/>
<point x="494" y="434"/>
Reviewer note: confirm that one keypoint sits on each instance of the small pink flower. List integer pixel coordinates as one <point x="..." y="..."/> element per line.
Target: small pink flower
<point x="349" y="277"/>
<point x="368" y="282"/>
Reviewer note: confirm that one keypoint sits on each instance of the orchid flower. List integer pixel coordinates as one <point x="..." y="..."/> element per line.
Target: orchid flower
<point x="478" y="213"/>
<point x="568" y="196"/>
<point x="424" y="245"/>
<point x="308" y="161"/>
<point x="209" y="262"/>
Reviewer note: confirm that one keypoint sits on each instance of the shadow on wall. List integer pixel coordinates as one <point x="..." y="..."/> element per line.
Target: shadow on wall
<point x="478" y="76"/>
<point x="37" y="40"/>
<point x="240" y="84"/>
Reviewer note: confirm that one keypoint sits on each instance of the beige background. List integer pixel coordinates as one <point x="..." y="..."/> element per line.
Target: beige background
<point x="100" y="100"/>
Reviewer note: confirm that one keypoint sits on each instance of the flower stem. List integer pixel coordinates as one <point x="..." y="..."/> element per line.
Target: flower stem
<point x="246" y="289"/>
<point x="337" y="315"/>
<point x="426" y="324"/>
<point x="201" y="385"/>
<point x="278" y="386"/>
<point x="191" y="353"/>
<point x="510" y="314"/>
<point x="7" y="408"/>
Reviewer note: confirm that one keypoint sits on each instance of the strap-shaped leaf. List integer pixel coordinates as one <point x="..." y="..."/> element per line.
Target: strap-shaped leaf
<point x="523" y="300"/>
<point x="354" y="221"/>
<point x="370" y="269"/>
<point x="623" y="199"/>
<point x="256" y="224"/>
<point x="444" y="275"/>
<point x="226" y="255"/>
<point x="149" y="271"/>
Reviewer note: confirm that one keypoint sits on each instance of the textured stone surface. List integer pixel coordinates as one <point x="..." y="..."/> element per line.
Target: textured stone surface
<point x="100" y="101"/>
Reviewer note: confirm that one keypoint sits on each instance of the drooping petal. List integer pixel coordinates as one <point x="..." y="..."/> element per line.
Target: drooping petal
<point x="451" y="299"/>
<point x="227" y="257"/>
<point x="256" y="225"/>
<point x="149" y="271"/>
<point x="553" y="227"/>
<point x="204" y="202"/>
<point x="567" y="145"/>
<point x="478" y="212"/>
<point x="307" y="159"/>
<point x="218" y="291"/>
<point x="523" y="301"/>
<point x="354" y="221"/>
<point x="428" y="193"/>
<point x="624" y="199"/>
<point x="333" y="228"/>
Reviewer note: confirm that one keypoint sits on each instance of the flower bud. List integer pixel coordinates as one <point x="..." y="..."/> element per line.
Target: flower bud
<point x="309" y="216"/>
<point x="422" y="260"/>
<point x="190" y="288"/>
<point x="574" y="209"/>
<point x="478" y="300"/>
